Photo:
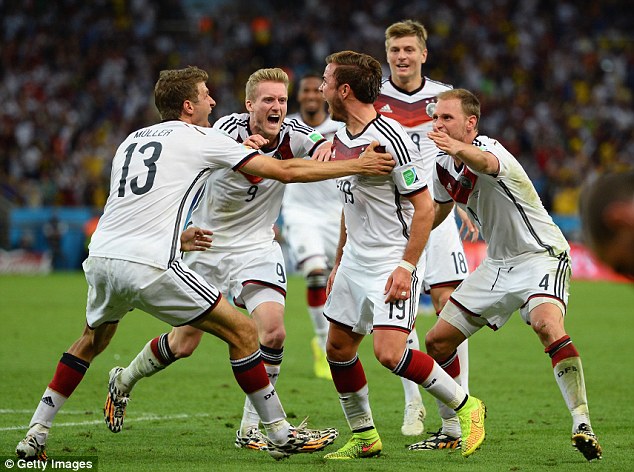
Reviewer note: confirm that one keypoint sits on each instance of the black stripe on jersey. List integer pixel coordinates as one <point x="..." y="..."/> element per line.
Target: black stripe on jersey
<point x="297" y="126"/>
<point x="232" y="124"/>
<point x="179" y="216"/>
<point x="524" y="216"/>
<point x="205" y="291"/>
<point x="395" y="140"/>
<point x="399" y="213"/>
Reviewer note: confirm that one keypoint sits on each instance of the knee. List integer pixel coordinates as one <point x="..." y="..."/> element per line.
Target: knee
<point x="273" y="337"/>
<point x="388" y="357"/>
<point x="437" y="347"/>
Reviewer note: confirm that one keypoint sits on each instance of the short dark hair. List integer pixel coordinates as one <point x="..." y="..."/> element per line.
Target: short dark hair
<point x="361" y="72"/>
<point x="596" y="197"/>
<point x="174" y="86"/>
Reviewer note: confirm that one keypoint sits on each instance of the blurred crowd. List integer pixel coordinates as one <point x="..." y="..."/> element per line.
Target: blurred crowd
<point x="556" y="79"/>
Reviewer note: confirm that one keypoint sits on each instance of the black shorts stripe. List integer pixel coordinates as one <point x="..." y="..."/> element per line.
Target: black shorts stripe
<point x="204" y="291"/>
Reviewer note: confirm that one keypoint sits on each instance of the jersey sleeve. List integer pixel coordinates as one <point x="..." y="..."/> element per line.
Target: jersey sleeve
<point x="411" y="170"/>
<point x="304" y="139"/>
<point x="222" y="151"/>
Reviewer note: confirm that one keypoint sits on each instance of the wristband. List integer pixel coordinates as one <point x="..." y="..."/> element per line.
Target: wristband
<point x="407" y="266"/>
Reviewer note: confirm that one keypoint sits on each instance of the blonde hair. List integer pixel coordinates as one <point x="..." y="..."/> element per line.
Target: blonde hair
<point x="173" y="87"/>
<point x="468" y="101"/>
<point x="407" y="28"/>
<point x="264" y="75"/>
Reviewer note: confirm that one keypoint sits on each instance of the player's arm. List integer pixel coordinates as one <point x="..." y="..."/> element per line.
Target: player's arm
<point x="369" y="162"/>
<point x="343" y="237"/>
<point x="474" y="158"/>
<point x="466" y="226"/>
<point x="441" y="211"/>
<point x="400" y="279"/>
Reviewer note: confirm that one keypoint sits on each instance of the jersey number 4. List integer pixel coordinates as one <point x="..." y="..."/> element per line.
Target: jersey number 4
<point x="151" y="151"/>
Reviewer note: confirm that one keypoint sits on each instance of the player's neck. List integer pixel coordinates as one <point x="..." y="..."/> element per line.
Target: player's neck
<point x="408" y="84"/>
<point x="313" y="119"/>
<point x="359" y="118"/>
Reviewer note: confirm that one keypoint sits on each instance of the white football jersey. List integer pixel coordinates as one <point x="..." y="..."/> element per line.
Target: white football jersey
<point x="309" y="200"/>
<point x="156" y="173"/>
<point x="239" y="208"/>
<point x="410" y="110"/>
<point x="506" y="207"/>
<point x="378" y="217"/>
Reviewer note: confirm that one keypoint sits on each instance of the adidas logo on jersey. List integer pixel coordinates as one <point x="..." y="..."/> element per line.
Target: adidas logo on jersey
<point x="48" y="401"/>
<point x="449" y="187"/>
<point x="386" y="109"/>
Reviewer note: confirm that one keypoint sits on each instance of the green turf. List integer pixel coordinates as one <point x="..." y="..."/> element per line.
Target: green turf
<point x="528" y="426"/>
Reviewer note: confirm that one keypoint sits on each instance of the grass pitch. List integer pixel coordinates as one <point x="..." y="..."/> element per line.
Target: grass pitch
<point x="185" y="417"/>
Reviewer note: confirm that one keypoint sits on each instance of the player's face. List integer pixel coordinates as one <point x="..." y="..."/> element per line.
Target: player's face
<point x="449" y="118"/>
<point x="405" y="58"/>
<point x="309" y="97"/>
<point x="330" y="91"/>
<point x="203" y="106"/>
<point x="268" y="110"/>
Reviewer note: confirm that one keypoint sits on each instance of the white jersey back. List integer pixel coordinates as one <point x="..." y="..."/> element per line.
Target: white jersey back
<point x="313" y="199"/>
<point x="409" y="109"/>
<point x="239" y="208"/>
<point x="378" y="217"/>
<point x="506" y="207"/>
<point x="156" y="173"/>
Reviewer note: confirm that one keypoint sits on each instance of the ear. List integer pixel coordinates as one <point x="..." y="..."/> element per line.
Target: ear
<point x="620" y="215"/>
<point x="344" y="90"/>
<point x="472" y="123"/>
<point x="188" y="107"/>
<point x="424" y="56"/>
<point x="249" y="105"/>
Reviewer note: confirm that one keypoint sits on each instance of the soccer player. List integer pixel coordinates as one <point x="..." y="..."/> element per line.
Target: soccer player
<point x="527" y="267"/>
<point x="607" y="217"/>
<point x="404" y="97"/>
<point x="134" y="256"/>
<point x="375" y="282"/>
<point x="311" y="213"/>
<point x="244" y="262"/>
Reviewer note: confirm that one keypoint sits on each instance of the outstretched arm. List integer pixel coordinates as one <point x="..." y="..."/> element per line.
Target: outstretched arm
<point x="471" y="156"/>
<point x="370" y="162"/>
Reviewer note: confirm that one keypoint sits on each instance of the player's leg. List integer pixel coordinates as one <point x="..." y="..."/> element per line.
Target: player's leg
<point x="548" y="322"/>
<point x="351" y="384"/>
<point x="316" y="298"/>
<point x="156" y="355"/>
<point x="390" y="349"/>
<point x="70" y="371"/>
<point x="414" y="412"/>
<point x="268" y="313"/>
<point x="241" y="335"/>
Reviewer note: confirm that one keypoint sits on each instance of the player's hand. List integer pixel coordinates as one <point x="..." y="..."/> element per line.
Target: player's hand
<point x="322" y="153"/>
<point x="196" y="239"/>
<point x="467" y="227"/>
<point x="375" y="160"/>
<point x="256" y="141"/>
<point x="398" y="285"/>
<point x="445" y="143"/>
